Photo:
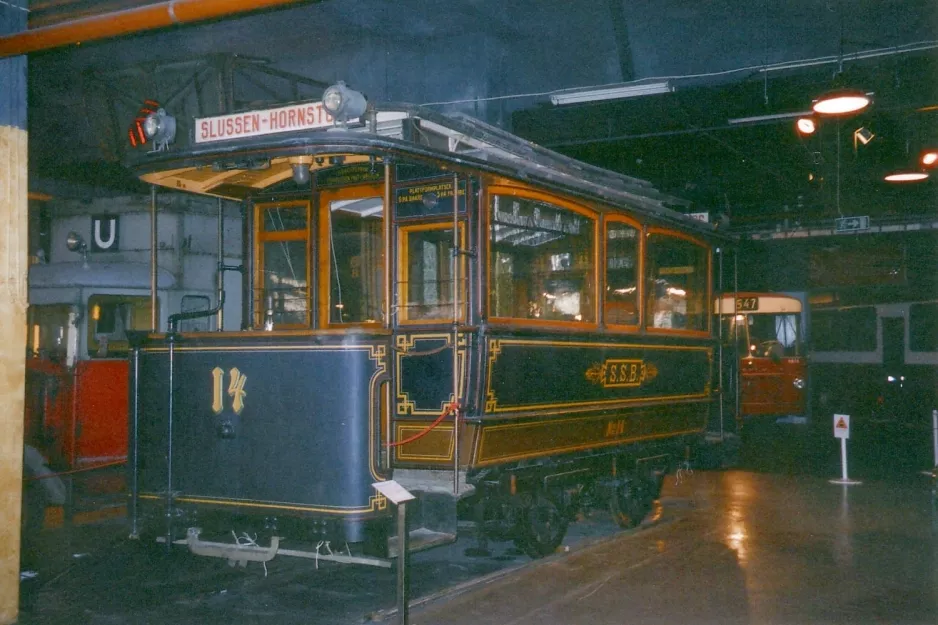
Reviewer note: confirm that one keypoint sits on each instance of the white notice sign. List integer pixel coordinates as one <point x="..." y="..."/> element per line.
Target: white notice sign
<point x="842" y="426"/>
<point x="393" y="491"/>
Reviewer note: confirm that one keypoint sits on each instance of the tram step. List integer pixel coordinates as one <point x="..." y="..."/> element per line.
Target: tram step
<point x="420" y="539"/>
<point x="433" y="480"/>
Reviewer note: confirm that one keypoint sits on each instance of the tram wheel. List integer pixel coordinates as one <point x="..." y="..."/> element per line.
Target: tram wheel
<point x="541" y="526"/>
<point x="630" y="503"/>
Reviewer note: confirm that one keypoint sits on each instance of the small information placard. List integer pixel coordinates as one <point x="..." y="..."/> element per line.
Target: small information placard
<point x="393" y="491"/>
<point x="842" y="426"/>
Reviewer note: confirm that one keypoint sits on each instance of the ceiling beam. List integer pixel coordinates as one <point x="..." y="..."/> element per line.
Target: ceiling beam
<point x="129" y="21"/>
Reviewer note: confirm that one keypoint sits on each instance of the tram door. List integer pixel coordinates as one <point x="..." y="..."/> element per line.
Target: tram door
<point x="893" y="398"/>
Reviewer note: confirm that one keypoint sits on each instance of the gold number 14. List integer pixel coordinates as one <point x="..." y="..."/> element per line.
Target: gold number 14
<point x="235" y="390"/>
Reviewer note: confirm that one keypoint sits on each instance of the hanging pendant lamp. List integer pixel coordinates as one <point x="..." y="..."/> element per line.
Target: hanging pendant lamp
<point x="841" y="102"/>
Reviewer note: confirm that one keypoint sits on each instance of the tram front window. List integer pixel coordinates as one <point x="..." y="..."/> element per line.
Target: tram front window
<point x="281" y="295"/>
<point x="774" y="336"/>
<point x="356" y="228"/>
<point x="48" y="334"/>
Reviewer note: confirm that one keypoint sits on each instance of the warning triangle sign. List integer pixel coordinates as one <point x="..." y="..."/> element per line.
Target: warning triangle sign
<point x="841" y="424"/>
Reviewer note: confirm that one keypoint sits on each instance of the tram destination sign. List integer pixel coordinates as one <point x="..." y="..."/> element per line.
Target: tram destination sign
<point x="305" y="116"/>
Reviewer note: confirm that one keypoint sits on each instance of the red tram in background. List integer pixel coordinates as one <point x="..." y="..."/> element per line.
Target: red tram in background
<point x="93" y="287"/>
<point x="764" y="358"/>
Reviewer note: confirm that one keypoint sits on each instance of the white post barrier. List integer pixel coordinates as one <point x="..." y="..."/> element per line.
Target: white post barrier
<point x="934" y="431"/>
<point x="842" y="431"/>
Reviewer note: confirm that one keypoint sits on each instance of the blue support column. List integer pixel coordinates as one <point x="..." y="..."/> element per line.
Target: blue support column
<point x="13" y="270"/>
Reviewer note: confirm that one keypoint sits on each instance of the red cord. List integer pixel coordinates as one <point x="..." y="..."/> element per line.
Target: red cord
<point x="446" y="411"/>
<point x="46" y="476"/>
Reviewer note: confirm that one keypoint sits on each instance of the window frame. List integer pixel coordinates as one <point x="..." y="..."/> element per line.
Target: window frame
<point x="640" y="271"/>
<point x="708" y="295"/>
<point x="324" y="253"/>
<point x="559" y="202"/>
<point x="400" y="289"/>
<point x="261" y="237"/>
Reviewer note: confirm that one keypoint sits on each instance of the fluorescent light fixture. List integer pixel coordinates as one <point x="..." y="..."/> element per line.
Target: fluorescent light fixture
<point x="630" y="90"/>
<point x="758" y="119"/>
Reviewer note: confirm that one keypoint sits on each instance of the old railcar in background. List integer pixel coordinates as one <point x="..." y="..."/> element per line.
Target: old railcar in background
<point x="90" y="289"/>
<point x="506" y="332"/>
<point x="877" y="363"/>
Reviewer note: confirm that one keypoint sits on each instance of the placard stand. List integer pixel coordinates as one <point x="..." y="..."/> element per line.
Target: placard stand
<point x="842" y="431"/>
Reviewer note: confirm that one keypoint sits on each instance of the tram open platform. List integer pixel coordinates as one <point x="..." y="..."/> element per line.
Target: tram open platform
<point x="770" y="540"/>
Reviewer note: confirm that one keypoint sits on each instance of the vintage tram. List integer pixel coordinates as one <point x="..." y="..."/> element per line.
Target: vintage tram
<point x="506" y="332"/>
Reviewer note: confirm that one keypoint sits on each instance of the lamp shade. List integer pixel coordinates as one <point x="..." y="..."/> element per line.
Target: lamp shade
<point x="841" y="102"/>
<point x="906" y="176"/>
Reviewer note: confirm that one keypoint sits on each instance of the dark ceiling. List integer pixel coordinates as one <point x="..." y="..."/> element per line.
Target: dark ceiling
<point x="730" y="152"/>
<point x="501" y="61"/>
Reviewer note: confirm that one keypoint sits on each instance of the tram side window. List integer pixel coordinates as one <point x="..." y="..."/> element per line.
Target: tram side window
<point x="621" y="303"/>
<point x="110" y="317"/>
<point x="676" y="283"/>
<point x="426" y="289"/>
<point x="356" y="229"/>
<point x="281" y="286"/>
<point x="923" y="327"/>
<point x="847" y="330"/>
<point x="541" y="261"/>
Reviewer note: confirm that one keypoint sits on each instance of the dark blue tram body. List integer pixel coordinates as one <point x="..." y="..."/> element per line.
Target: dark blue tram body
<point x="537" y="340"/>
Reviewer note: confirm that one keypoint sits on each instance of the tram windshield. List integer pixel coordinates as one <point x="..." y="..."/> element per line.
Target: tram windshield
<point x="763" y="335"/>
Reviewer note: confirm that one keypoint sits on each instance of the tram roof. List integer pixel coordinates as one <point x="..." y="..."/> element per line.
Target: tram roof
<point x="238" y="168"/>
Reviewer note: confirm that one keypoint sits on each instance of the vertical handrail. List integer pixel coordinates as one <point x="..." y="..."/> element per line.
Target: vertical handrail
<point x="154" y="284"/>
<point x="387" y="300"/>
<point x="220" y="271"/>
<point x="134" y="488"/>
<point x="455" y="274"/>
<point x="169" y="444"/>
<point x="738" y="368"/>
<point x="720" y="355"/>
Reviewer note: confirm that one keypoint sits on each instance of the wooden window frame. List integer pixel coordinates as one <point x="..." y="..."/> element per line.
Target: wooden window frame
<point x="560" y="202"/>
<point x="261" y="237"/>
<point x="708" y="296"/>
<point x="402" y="271"/>
<point x="325" y="275"/>
<point x="640" y="271"/>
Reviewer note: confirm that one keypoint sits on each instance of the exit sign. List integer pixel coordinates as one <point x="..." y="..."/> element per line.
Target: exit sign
<point x="851" y="224"/>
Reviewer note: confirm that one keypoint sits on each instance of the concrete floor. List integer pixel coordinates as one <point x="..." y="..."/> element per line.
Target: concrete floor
<point x="750" y="548"/>
<point x="771" y="541"/>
